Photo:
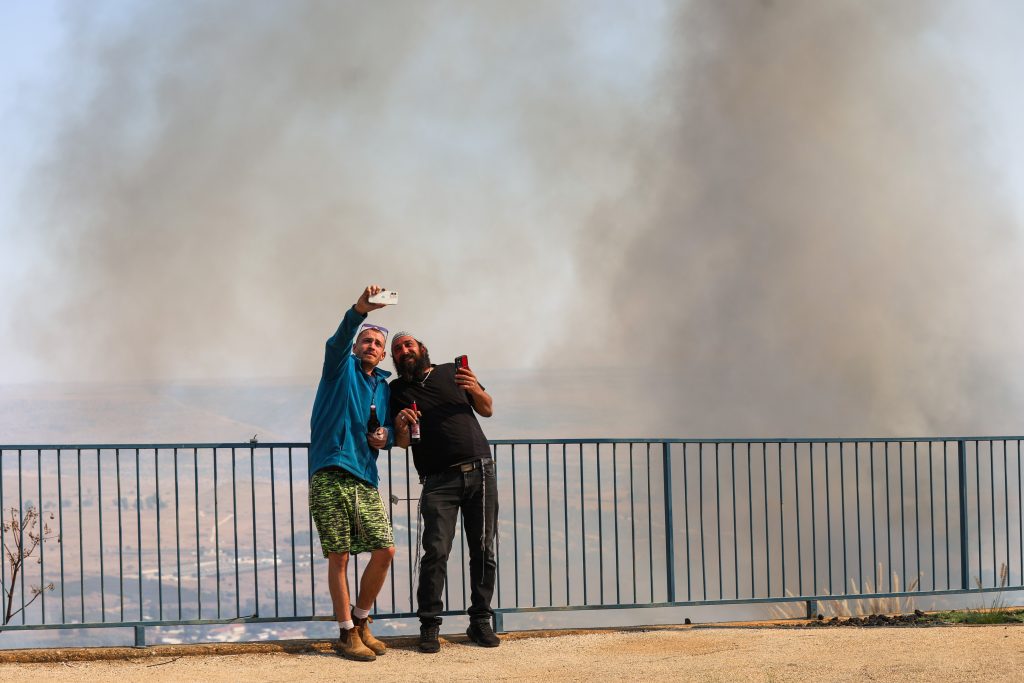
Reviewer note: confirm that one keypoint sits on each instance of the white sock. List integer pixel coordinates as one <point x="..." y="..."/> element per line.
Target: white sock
<point x="360" y="613"/>
<point x="346" y="625"/>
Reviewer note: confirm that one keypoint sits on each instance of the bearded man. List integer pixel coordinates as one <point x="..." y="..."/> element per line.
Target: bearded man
<point x="456" y="469"/>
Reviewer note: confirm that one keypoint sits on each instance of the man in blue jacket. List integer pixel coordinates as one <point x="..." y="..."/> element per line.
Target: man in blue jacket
<point x="344" y="502"/>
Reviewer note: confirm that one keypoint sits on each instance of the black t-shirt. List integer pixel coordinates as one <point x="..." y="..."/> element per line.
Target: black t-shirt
<point x="449" y="431"/>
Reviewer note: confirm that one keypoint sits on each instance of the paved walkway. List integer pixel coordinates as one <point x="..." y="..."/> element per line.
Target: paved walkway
<point x="988" y="653"/>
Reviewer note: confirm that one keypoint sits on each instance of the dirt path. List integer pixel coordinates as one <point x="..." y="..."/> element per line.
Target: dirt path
<point x="990" y="653"/>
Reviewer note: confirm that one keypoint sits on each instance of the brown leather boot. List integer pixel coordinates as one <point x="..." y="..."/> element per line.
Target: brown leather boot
<point x="352" y="646"/>
<point x="369" y="641"/>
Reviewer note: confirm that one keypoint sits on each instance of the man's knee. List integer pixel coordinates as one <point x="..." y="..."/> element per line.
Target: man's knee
<point x="337" y="562"/>
<point x="383" y="555"/>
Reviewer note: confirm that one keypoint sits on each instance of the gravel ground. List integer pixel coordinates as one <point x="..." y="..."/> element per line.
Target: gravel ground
<point x="989" y="653"/>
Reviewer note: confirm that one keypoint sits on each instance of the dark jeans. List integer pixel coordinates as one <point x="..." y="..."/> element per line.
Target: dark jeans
<point x="476" y="494"/>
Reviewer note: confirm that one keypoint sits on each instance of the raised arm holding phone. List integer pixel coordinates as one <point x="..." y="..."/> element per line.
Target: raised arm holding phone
<point x="344" y="502"/>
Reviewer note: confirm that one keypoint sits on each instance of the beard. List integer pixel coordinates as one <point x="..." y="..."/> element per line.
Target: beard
<point x="412" y="366"/>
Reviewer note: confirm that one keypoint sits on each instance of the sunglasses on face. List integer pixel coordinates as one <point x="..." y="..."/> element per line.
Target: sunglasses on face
<point x="378" y="328"/>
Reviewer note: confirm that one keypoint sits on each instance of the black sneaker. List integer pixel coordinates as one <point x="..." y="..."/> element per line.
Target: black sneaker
<point x="428" y="638"/>
<point x="481" y="633"/>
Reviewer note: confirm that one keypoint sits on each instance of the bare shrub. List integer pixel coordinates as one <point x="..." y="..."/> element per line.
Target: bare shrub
<point x="21" y="539"/>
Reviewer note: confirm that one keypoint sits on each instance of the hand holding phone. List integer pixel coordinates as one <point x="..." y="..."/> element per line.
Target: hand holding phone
<point x="386" y="297"/>
<point x="466" y="380"/>
<point x="464" y="377"/>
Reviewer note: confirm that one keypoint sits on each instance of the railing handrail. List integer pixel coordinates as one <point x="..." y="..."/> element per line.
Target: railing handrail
<point x="522" y="442"/>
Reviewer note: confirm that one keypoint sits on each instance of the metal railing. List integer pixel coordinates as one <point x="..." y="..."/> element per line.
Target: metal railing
<point x="197" y="534"/>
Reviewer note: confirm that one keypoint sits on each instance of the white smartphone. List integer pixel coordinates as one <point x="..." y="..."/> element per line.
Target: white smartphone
<point x="384" y="296"/>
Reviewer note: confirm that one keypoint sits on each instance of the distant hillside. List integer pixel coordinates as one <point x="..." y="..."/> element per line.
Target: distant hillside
<point x="528" y="404"/>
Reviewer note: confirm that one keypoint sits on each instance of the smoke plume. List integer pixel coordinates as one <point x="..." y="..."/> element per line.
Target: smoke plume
<point x="226" y="177"/>
<point x="813" y="243"/>
<point x="711" y="218"/>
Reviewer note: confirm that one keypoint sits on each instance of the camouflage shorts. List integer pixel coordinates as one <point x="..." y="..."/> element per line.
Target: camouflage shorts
<point x="349" y="514"/>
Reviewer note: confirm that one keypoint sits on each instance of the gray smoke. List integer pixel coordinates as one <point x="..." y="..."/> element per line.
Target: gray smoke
<point x="813" y="244"/>
<point x="716" y="218"/>
<point x="227" y="176"/>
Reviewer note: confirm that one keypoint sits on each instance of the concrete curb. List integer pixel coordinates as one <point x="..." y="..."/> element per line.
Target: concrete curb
<point x="324" y="647"/>
<point x="329" y="647"/>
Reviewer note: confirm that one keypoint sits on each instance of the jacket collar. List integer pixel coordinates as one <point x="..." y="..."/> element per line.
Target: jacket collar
<point x="378" y="371"/>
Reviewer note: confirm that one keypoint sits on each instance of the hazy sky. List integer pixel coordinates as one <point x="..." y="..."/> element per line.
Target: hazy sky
<point x="774" y="218"/>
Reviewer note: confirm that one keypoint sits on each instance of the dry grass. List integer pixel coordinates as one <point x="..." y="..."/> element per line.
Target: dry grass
<point x="849" y="607"/>
<point x="995" y="612"/>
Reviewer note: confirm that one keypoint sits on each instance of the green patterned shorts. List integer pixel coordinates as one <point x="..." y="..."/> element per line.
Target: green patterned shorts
<point x="349" y="514"/>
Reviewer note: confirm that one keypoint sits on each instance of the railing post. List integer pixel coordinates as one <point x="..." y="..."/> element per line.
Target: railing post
<point x="812" y="608"/>
<point x="140" y="636"/>
<point x="499" y="622"/>
<point x="670" y="556"/>
<point x="961" y="457"/>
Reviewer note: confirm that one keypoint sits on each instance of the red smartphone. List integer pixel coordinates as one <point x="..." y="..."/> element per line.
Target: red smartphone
<point x="461" y="362"/>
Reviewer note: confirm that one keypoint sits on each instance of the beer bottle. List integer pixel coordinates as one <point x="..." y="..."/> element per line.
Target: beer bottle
<point x="414" y="428"/>
<point x="373" y="424"/>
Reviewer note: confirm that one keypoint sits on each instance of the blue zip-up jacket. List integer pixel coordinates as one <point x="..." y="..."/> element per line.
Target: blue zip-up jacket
<point x="342" y="407"/>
